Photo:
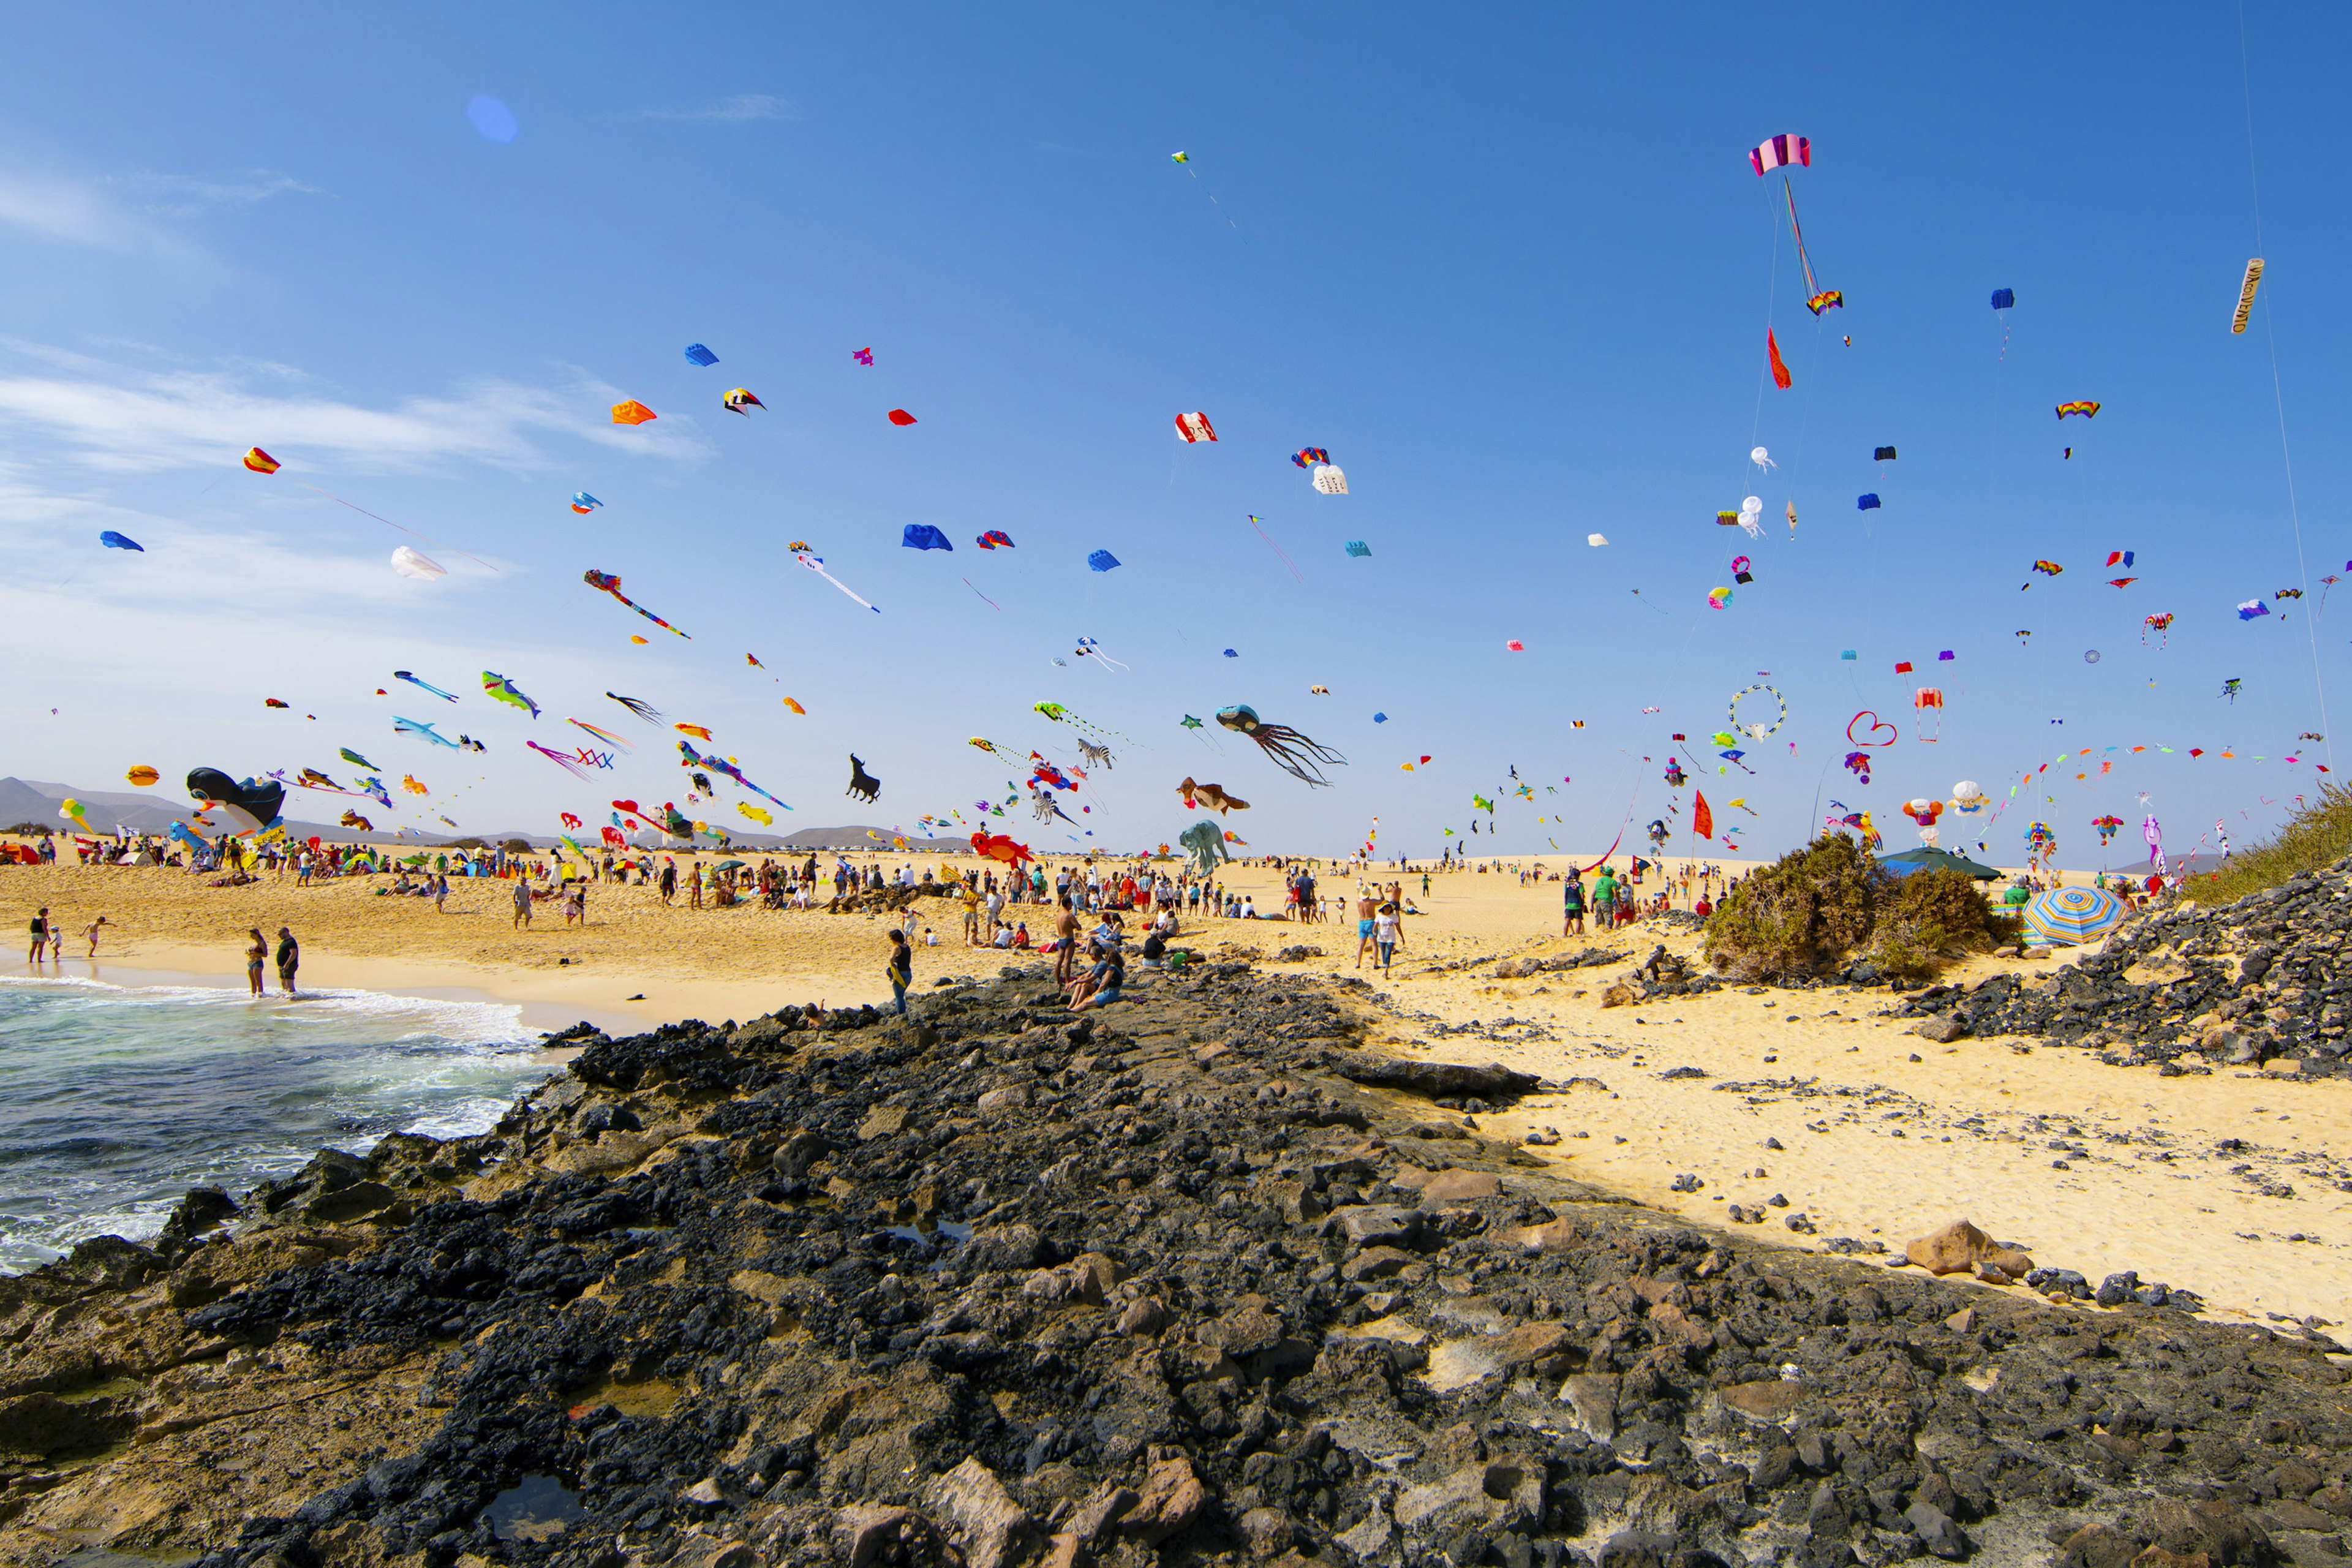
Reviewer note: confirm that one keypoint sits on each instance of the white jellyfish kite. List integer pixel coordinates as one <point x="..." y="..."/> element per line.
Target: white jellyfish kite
<point x="1751" y="516"/>
<point x="1761" y="457"/>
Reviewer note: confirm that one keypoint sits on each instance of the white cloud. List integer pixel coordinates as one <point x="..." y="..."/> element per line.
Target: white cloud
<point x="132" y="420"/>
<point x="73" y="213"/>
<point x="186" y="195"/>
<point x="740" y="110"/>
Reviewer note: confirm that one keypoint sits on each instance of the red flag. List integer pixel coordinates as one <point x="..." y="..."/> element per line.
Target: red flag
<point x="1779" y="368"/>
<point x="1702" y="819"/>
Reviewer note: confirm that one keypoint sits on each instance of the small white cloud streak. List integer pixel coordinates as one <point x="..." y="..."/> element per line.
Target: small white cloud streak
<point x="129" y="421"/>
<point x="740" y="110"/>
<point x="194" y="195"/>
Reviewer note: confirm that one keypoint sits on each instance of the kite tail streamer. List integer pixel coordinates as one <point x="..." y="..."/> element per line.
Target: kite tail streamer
<point x="389" y="524"/>
<point x="1278" y="548"/>
<point x="560" y="760"/>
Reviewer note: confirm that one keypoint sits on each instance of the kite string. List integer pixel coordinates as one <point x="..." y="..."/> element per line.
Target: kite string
<point x="1771" y="295"/>
<point x="389" y="524"/>
<point x="2278" y="392"/>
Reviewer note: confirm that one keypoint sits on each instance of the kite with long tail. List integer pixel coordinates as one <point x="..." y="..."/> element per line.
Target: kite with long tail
<point x="403" y="675"/>
<point x="605" y="582"/>
<point x="645" y="711"/>
<point x="689" y="757"/>
<point x="607" y="736"/>
<point x="506" y="691"/>
<point x="568" y="764"/>
<point x="815" y="563"/>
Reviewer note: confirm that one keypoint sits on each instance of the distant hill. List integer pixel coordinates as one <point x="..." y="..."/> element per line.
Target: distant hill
<point x="36" y="800"/>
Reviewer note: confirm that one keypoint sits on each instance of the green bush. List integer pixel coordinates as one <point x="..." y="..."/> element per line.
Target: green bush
<point x="2317" y="835"/>
<point x="1949" y="904"/>
<point x="1802" y="915"/>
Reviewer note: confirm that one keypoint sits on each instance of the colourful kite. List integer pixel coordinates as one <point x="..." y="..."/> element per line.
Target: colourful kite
<point x="719" y="764"/>
<point x="403" y="675"/>
<point x="2048" y="568"/>
<point x="795" y="707"/>
<point x="414" y="727"/>
<point x="259" y="461"/>
<point x="1827" y="300"/>
<point x="605" y="582"/>
<point x="1294" y="754"/>
<point x="1308" y="456"/>
<point x="355" y="759"/>
<point x="1781" y="151"/>
<point x="607" y="736"/>
<point x="1196" y="427"/>
<point x="995" y="538"/>
<point x="2246" y="295"/>
<point x="863" y="356"/>
<point x="584" y="503"/>
<point x="2251" y="608"/>
<point x="699" y="732"/>
<point x="741" y="401"/>
<point x="815" y="563"/>
<point x="2086" y="407"/>
<point x="631" y="413"/>
<point x="408" y="782"/>
<point x="142" y="775"/>
<point x="500" y="686"/>
<point x="568" y="764"/>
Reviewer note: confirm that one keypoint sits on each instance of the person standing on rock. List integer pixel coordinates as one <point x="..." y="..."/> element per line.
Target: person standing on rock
<point x="1066" y="937"/>
<point x="901" y="969"/>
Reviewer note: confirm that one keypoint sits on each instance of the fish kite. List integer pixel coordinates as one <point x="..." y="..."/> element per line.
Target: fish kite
<point x="605" y="582"/>
<point x="501" y="688"/>
<point x="412" y="727"/>
<point x="355" y="758"/>
<point x="631" y="413"/>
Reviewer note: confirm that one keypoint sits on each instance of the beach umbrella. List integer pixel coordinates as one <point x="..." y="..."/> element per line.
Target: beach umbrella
<point x="2071" y="915"/>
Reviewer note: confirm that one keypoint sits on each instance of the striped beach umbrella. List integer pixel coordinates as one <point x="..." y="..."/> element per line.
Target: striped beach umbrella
<point x="2067" y="916"/>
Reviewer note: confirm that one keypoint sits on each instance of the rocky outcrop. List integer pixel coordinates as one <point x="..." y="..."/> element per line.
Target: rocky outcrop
<point x="1192" y="1296"/>
<point x="2261" y="983"/>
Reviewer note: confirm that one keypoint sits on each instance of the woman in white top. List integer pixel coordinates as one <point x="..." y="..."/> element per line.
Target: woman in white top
<point x="1386" y="929"/>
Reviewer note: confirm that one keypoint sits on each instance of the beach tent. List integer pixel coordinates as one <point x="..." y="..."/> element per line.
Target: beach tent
<point x="1912" y="860"/>
<point x="2064" y="916"/>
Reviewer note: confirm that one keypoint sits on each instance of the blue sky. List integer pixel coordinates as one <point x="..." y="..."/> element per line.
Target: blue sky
<point x="1515" y="277"/>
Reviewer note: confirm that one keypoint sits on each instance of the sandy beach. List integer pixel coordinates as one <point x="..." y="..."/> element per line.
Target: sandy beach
<point x="1882" y="1136"/>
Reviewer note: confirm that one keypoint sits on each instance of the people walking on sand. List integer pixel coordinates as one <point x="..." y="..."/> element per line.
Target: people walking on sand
<point x="1366" y="908"/>
<point x="290" y="959"/>
<point x="256" y="954"/>
<point x="521" y="904"/>
<point x="90" y="933"/>
<point x="40" y="931"/>
<point x="1388" y="929"/>
<point x="901" y="969"/>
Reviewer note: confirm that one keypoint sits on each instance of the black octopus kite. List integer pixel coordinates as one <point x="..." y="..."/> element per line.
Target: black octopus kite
<point x="1293" y="752"/>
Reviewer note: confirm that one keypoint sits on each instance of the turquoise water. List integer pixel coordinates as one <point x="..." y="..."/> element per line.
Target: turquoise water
<point x="114" y="1101"/>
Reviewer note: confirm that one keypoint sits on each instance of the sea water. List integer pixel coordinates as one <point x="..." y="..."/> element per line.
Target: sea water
<point x="114" y="1101"/>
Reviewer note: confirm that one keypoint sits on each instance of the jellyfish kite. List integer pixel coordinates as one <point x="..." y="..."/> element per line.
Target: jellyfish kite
<point x="1293" y="752"/>
<point x="645" y="711"/>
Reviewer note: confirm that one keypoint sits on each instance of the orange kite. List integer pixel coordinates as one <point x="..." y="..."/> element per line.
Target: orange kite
<point x="631" y="413"/>
<point x="1779" y="368"/>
